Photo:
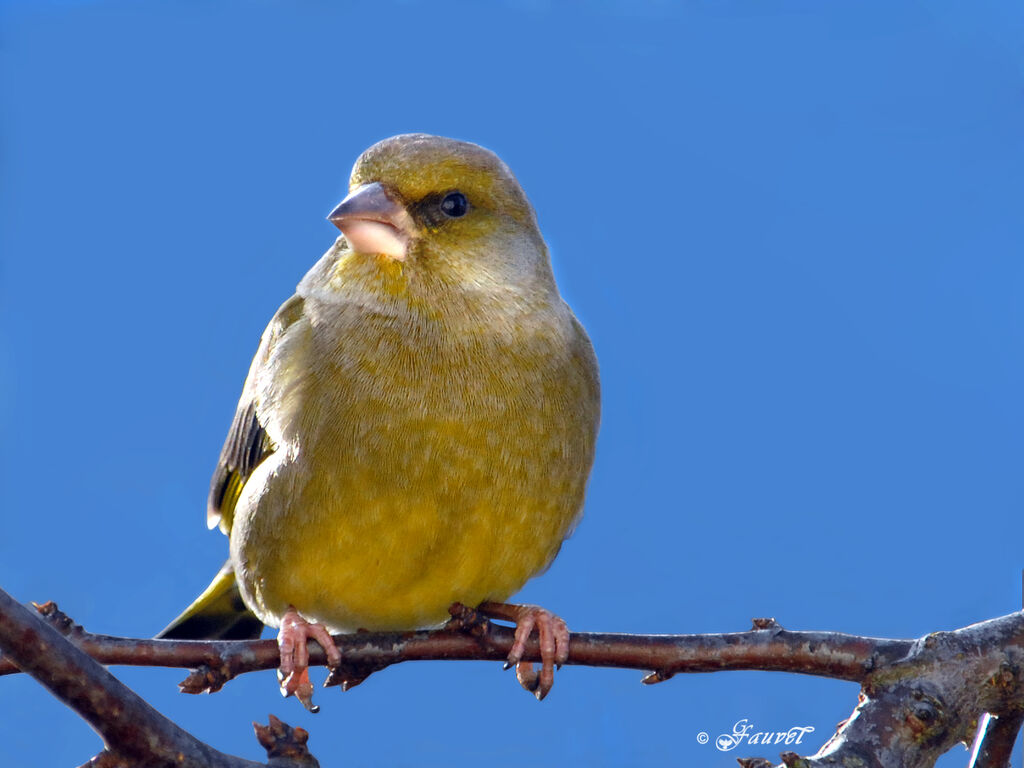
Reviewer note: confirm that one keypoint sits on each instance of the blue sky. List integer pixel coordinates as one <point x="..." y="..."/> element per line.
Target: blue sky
<point x="792" y="230"/>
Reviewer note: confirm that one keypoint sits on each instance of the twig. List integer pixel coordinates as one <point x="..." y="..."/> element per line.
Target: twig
<point x="997" y="740"/>
<point x="825" y="654"/>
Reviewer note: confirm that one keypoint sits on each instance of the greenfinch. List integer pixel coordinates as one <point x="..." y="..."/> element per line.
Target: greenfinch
<point x="417" y="426"/>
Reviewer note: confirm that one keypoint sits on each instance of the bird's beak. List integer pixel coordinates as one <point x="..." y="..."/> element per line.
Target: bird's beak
<point x="374" y="222"/>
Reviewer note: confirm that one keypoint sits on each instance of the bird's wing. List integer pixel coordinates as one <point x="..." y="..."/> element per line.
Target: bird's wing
<point x="254" y="432"/>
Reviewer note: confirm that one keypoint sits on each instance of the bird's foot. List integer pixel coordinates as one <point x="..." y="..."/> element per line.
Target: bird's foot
<point x="293" y="673"/>
<point x="552" y="636"/>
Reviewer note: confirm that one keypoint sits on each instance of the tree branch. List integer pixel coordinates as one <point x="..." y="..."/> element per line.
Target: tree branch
<point x="766" y="647"/>
<point x="919" y="707"/>
<point x="918" y="698"/>
<point x="993" y="743"/>
<point x="133" y="732"/>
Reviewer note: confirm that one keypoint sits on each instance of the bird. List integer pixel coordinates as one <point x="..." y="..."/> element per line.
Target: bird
<point x="417" y="427"/>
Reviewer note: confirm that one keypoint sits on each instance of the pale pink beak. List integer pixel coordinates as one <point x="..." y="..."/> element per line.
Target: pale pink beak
<point x="373" y="222"/>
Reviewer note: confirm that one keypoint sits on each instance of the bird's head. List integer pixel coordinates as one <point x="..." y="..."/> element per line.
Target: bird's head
<point x="431" y="206"/>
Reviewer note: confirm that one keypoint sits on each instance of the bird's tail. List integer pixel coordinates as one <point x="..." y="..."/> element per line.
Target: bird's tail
<point x="217" y="614"/>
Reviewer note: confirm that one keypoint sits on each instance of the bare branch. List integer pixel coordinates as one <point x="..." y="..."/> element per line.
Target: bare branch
<point x="917" y="708"/>
<point x="918" y="698"/>
<point x="994" y="740"/>
<point x="133" y="732"/>
<point x="825" y="654"/>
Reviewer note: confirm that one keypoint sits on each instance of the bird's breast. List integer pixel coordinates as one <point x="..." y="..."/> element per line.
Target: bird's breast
<point x="435" y="466"/>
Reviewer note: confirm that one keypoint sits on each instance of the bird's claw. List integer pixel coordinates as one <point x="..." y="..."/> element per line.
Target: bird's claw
<point x="299" y="685"/>
<point x="293" y="673"/>
<point x="552" y="636"/>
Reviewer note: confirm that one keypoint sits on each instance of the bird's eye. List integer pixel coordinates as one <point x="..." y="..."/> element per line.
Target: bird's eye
<point x="454" y="205"/>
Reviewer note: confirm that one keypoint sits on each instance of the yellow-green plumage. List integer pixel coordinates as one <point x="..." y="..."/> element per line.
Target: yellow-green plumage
<point x="415" y="431"/>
